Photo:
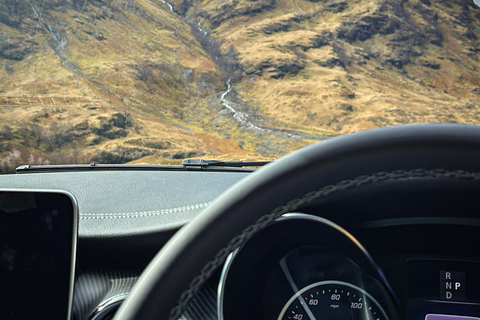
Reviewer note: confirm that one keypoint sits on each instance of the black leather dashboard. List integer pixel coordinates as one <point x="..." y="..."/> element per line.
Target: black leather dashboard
<point x="126" y="203"/>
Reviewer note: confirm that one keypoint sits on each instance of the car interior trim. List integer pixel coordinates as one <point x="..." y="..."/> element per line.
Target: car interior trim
<point x="421" y="221"/>
<point x="221" y="283"/>
<point x="106" y="306"/>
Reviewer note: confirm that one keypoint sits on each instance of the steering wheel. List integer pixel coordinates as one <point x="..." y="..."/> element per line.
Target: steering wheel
<point x="432" y="153"/>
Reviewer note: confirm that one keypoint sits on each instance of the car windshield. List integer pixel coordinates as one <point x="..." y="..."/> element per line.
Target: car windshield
<point x="157" y="81"/>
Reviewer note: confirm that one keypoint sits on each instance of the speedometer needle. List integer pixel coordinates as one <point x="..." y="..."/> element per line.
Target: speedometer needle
<point x="302" y="300"/>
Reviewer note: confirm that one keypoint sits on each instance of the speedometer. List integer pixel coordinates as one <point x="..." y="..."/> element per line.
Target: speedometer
<point x="329" y="300"/>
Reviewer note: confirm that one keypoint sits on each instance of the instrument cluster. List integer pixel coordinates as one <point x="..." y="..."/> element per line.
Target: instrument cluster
<point x="303" y="267"/>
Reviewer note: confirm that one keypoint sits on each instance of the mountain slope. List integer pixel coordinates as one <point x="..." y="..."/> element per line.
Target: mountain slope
<point x="346" y="66"/>
<point x="100" y="81"/>
<point x="152" y="81"/>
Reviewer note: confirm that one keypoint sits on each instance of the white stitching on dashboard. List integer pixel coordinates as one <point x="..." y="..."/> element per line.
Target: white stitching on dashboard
<point x="139" y="214"/>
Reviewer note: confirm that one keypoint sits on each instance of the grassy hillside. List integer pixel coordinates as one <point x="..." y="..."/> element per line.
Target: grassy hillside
<point x="344" y="66"/>
<point x="123" y="81"/>
<point x="101" y="81"/>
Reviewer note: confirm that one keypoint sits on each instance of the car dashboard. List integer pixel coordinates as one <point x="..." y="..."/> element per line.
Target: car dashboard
<point x="393" y="251"/>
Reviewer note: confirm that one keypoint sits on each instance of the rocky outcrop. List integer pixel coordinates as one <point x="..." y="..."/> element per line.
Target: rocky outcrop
<point x="181" y="6"/>
<point x="286" y="66"/>
<point x="305" y="41"/>
<point x="235" y="8"/>
<point x="286" y="24"/>
<point x="319" y="40"/>
<point x="277" y="26"/>
<point x="392" y="19"/>
<point x="14" y="51"/>
<point x="364" y="27"/>
<point x="17" y="49"/>
<point x="336" y="7"/>
<point x="430" y="64"/>
<point x="330" y="63"/>
<point x="275" y="68"/>
<point x="406" y="38"/>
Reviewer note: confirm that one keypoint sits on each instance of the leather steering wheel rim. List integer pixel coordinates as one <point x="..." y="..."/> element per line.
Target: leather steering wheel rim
<point x="200" y="247"/>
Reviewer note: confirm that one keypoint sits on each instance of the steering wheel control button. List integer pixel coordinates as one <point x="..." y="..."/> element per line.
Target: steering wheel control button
<point x="452" y="286"/>
<point x="448" y="317"/>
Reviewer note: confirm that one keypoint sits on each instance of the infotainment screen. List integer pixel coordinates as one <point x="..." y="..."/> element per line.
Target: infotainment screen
<point x="38" y="232"/>
<point x="443" y="290"/>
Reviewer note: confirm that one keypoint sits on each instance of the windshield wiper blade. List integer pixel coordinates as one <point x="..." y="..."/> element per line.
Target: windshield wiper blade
<point x="95" y="167"/>
<point x="187" y="165"/>
<point x="200" y="163"/>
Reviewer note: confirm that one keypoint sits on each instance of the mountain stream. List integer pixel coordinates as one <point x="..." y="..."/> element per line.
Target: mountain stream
<point x="238" y="115"/>
<point x="169" y="5"/>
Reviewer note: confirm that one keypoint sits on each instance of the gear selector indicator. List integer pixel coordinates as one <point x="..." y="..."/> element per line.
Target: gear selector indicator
<point x="452" y="286"/>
